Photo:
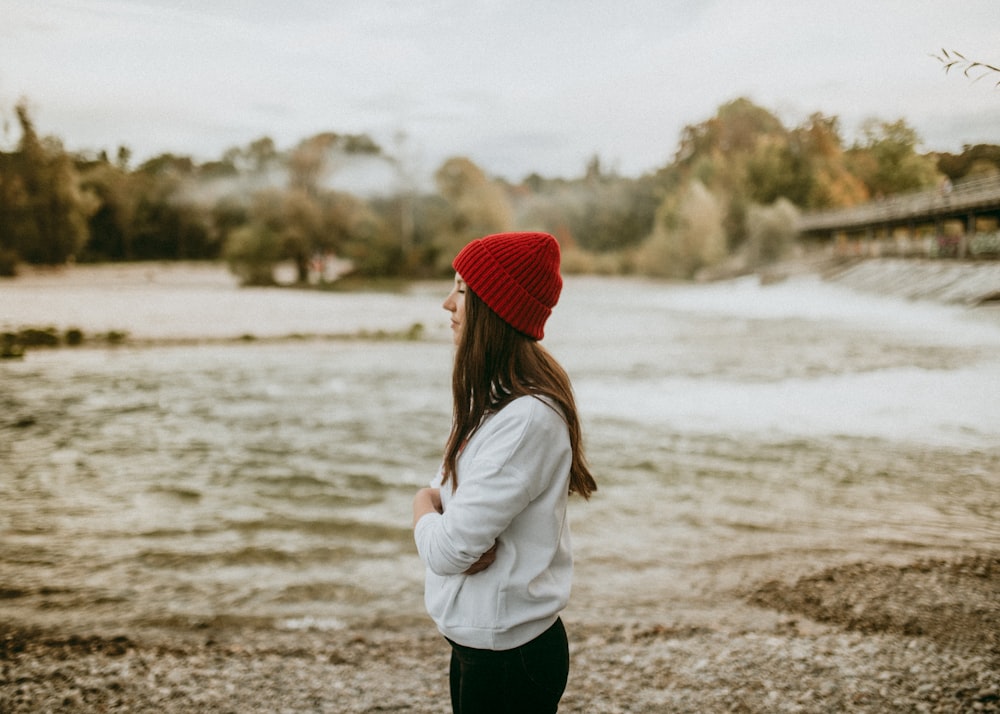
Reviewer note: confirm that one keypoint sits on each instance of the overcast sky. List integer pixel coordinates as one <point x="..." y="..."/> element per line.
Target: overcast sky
<point x="518" y="86"/>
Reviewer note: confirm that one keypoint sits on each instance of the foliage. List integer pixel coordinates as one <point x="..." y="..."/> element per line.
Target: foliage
<point x="979" y="160"/>
<point x="770" y="231"/>
<point x="728" y="194"/>
<point x="830" y="182"/>
<point x="594" y="215"/>
<point x="252" y="252"/>
<point x="112" y="224"/>
<point x="985" y="244"/>
<point x="43" y="213"/>
<point x="887" y="160"/>
<point x="360" y="235"/>
<point x="745" y="157"/>
<point x="688" y="235"/>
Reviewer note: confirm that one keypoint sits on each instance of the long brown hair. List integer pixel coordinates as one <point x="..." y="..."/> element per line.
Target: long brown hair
<point x="495" y="364"/>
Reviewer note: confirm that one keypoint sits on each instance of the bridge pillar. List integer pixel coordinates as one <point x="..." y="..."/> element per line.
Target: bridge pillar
<point x="963" y="241"/>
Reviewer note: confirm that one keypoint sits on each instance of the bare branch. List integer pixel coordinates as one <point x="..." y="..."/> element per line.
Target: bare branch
<point x="972" y="69"/>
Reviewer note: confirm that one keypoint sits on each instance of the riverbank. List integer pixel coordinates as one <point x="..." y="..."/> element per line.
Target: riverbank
<point x="105" y="314"/>
<point x="922" y="637"/>
<point x="798" y="489"/>
<point x="188" y="303"/>
<point x="971" y="283"/>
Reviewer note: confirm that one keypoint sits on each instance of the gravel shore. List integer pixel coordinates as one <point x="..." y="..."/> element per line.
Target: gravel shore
<point x="921" y="637"/>
<point x="916" y="634"/>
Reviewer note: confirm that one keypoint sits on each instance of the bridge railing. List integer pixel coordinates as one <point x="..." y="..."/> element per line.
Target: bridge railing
<point x="963" y="195"/>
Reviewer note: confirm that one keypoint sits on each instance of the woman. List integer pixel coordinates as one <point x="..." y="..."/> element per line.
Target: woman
<point x="492" y="530"/>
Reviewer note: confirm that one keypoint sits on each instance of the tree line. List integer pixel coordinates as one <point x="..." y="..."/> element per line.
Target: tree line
<point x="730" y="193"/>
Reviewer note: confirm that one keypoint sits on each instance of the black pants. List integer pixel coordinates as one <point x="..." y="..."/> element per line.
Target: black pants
<point x="529" y="679"/>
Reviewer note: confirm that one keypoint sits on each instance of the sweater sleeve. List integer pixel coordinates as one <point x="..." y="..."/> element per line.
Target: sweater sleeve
<point x="497" y="480"/>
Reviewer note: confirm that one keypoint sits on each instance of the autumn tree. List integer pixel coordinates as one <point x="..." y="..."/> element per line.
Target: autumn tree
<point x="805" y="165"/>
<point x="741" y="156"/>
<point x="829" y="179"/>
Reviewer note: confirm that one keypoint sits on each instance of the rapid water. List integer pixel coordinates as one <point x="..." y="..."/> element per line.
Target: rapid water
<point x="737" y="432"/>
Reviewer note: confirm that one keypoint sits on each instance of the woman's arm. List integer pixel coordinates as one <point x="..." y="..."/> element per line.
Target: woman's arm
<point x="510" y="461"/>
<point x="427" y="500"/>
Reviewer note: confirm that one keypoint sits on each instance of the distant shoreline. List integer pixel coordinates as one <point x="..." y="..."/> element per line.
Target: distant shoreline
<point x="969" y="283"/>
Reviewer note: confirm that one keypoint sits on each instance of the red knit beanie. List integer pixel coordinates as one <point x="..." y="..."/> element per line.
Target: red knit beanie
<point x="516" y="274"/>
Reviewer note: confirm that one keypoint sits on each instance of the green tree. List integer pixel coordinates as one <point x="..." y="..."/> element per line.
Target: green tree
<point x="359" y="234"/>
<point x="778" y="167"/>
<point x="15" y="215"/>
<point x="227" y="214"/>
<point x="112" y="223"/>
<point x="977" y="160"/>
<point x="252" y="252"/>
<point x="168" y="223"/>
<point x="45" y="213"/>
<point x="886" y="159"/>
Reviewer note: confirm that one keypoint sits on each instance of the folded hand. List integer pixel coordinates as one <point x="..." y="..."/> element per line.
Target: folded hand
<point x="485" y="561"/>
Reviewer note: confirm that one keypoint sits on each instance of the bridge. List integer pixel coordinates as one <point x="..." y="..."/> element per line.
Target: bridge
<point x="940" y="221"/>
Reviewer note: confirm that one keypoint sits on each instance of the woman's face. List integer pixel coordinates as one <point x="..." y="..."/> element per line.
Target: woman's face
<point x="455" y="304"/>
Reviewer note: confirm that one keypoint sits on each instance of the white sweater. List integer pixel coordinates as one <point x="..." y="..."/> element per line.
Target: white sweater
<point x="513" y="478"/>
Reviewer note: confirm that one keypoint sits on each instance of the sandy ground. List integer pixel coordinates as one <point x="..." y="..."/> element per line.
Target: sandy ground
<point x="922" y="637"/>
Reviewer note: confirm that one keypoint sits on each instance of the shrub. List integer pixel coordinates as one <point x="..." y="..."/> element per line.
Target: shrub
<point x="983" y="244"/>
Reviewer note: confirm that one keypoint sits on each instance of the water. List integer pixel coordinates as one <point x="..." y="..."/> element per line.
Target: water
<point x="737" y="432"/>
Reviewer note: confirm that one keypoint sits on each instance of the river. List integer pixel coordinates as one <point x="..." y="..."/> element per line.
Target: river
<point x="737" y="431"/>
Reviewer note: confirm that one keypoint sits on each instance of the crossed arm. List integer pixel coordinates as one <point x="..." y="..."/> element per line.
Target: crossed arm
<point x="428" y="500"/>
